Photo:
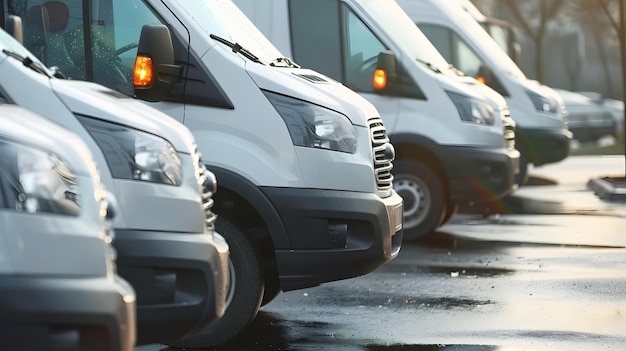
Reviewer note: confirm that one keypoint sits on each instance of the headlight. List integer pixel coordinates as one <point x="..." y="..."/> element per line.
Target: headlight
<point x="33" y="180"/>
<point x="133" y="154"/>
<point x="543" y="103"/>
<point x="314" y="126"/>
<point x="472" y="110"/>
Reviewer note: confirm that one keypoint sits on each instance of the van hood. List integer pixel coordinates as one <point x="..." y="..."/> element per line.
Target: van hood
<point x="314" y="87"/>
<point x="455" y="84"/>
<point x="94" y="100"/>
<point x="21" y="125"/>
<point x="541" y="89"/>
<point x="498" y="100"/>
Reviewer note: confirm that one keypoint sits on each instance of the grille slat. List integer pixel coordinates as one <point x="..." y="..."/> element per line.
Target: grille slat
<point x="382" y="162"/>
<point x="509" y="128"/>
<point x="207" y="195"/>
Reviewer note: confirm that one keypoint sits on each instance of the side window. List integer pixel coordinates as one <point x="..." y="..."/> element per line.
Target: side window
<point x="129" y="16"/>
<point x="453" y="48"/>
<point x="361" y="49"/>
<point x="466" y="60"/>
<point x="308" y="36"/>
<point x="440" y="38"/>
<point x="54" y="31"/>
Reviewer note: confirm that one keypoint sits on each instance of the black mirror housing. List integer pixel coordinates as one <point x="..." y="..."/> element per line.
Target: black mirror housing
<point x="156" y="42"/>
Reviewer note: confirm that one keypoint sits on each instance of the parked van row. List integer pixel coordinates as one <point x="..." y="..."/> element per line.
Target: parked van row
<point x="280" y="139"/>
<point x="454" y="138"/>
<point x="539" y="112"/>
<point x="164" y="240"/>
<point x="589" y="115"/>
<point x="330" y="148"/>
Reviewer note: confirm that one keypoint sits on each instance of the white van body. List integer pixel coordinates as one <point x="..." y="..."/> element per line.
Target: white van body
<point x="442" y="161"/>
<point x="164" y="239"/>
<point x="58" y="285"/>
<point x="304" y="164"/>
<point x="540" y="115"/>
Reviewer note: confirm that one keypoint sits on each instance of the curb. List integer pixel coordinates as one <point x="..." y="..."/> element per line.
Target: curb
<point x="610" y="189"/>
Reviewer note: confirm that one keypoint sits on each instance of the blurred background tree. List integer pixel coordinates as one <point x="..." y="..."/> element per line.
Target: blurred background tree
<point x="569" y="44"/>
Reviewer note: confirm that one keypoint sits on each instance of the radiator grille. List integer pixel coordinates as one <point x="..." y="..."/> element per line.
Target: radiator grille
<point x="382" y="159"/>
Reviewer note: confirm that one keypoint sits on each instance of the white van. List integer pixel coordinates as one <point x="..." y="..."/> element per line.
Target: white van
<point x="58" y="286"/>
<point x="304" y="164"/>
<point x="164" y="239"/>
<point x="540" y="115"/>
<point x="454" y="140"/>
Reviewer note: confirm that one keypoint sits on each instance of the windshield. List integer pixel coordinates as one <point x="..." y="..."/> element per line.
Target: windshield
<point x="224" y="19"/>
<point x="8" y="43"/>
<point x="397" y="25"/>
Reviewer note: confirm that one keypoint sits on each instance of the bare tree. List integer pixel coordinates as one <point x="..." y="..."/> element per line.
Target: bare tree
<point x="546" y="11"/>
<point x="592" y="16"/>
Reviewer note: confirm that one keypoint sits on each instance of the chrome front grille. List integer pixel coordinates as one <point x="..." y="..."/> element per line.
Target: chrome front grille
<point x="509" y="128"/>
<point x="206" y="184"/>
<point x="382" y="157"/>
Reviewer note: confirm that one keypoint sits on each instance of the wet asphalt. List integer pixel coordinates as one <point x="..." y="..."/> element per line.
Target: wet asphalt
<point x="543" y="270"/>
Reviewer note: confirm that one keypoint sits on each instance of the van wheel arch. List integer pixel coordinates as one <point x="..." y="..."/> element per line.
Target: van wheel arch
<point x="418" y="171"/>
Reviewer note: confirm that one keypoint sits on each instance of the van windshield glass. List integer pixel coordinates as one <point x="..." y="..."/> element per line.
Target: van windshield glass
<point x="397" y="25"/>
<point x="224" y="19"/>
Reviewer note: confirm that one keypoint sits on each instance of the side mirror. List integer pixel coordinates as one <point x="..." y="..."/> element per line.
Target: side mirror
<point x="14" y="27"/>
<point x="486" y="76"/>
<point x="385" y="72"/>
<point x="392" y="79"/>
<point x="155" y="71"/>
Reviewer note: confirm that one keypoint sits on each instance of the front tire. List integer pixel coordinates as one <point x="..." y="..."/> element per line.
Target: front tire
<point x="244" y="293"/>
<point x="425" y="200"/>
<point x="521" y="177"/>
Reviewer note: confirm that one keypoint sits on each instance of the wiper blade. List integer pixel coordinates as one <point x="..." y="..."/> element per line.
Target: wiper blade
<point x="456" y="70"/>
<point x="27" y="62"/>
<point x="283" y="62"/>
<point x="429" y="65"/>
<point x="236" y="48"/>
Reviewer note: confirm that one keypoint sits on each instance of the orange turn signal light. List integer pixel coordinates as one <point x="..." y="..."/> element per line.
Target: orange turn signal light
<point x="480" y="79"/>
<point x="380" y="79"/>
<point x="142" y="76"/>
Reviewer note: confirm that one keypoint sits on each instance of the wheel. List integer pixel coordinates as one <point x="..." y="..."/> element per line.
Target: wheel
<point x="244" y="294"/>
<point x="272" y="289"/>
<point x="451" y="210"/>
<point x="425" y="199"/>
<point x="522" y="176"/>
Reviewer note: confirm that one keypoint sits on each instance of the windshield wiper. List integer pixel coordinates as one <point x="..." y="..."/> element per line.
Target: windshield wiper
<point x="456" y="70"/>
<point x="283" y="62"/>
<point x="237" y="48"/>
<point x="27" y="62"/>
<point x="429" y="65"/>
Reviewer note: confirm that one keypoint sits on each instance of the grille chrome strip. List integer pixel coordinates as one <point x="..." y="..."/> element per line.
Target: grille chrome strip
<point x="382" y="162"/>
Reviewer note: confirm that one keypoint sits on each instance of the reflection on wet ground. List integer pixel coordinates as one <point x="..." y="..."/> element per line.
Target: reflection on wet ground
<point x="270" y="332"/>
<point x="433" y="348"/>
<point x="454" y="271"/>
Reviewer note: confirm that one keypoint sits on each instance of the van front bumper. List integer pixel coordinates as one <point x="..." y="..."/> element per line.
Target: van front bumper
<point x="180" y="280"/>
<point x="334" y="234"/>
<point x="544" y="145"/>
<point x="63" y="313"/>
<point x="480" y="175"/>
